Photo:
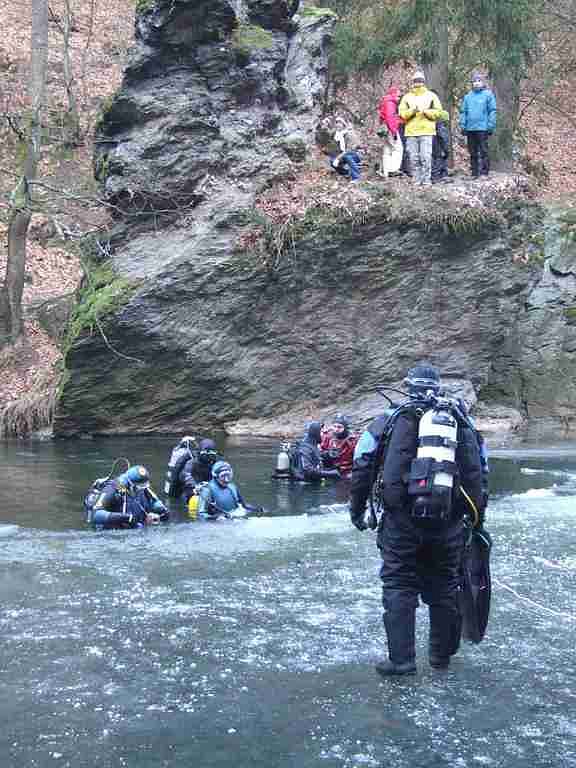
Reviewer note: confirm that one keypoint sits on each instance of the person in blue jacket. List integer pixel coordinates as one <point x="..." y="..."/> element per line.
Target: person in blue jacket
<point x="220" y="497"/>
<point x="477" y="123"/>
<point x="127" y="501"/>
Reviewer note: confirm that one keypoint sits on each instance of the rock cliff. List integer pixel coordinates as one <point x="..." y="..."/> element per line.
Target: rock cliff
<point x="220" y="101"/>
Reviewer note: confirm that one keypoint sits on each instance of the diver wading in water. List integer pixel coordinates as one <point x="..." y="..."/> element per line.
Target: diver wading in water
<point x="220" y="497"/>
<point x="126" y="501"/>
<point x="303" y="460"/>
<point x="420" y="465"/>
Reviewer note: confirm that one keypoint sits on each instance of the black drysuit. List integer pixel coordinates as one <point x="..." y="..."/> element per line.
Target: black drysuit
<point x="307" y="462"/>
<point x="440" y="151"/>
<point x="419" y="558"/>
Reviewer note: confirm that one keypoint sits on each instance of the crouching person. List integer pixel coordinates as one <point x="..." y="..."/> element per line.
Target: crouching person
<point x="127" y="501"/>
<point x="348" y="161"/>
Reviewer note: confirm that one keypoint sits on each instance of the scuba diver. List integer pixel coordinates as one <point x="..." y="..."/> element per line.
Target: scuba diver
<point x="126" y="501"/>
<point x="421" y="467"/>
<point x="185" y="451"/>
<point x="337" y="445"/>
<point x="306" y="459"/>
<point x="220" y="497"/>
<point x="198" y="469"/>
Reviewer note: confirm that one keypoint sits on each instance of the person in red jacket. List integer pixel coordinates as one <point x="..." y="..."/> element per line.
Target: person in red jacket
<point x="392" y="129"/>
<point x="337" y="445"/>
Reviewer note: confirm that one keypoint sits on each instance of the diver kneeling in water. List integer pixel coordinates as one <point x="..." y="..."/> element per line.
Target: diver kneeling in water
<point x="220" y="497"/>
<point x="126" y="501"/>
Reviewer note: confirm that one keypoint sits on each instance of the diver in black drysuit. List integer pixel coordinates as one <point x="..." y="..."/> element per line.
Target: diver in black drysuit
<point x="307" y="464"/>
<point x="198" y="469"/>
<point x="419" y="557"/>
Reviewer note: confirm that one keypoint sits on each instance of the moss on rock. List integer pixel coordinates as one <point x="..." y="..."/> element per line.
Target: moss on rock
<point x="313" y="11"/>
<point x="103" y="293"/>
<point x="250" y="37"/>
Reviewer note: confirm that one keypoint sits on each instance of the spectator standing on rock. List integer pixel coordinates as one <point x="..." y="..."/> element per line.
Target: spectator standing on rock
<point x="420" y="108"/>
<point x="390" y="124"/>
<point x="347" y="161"/>
<point x="477" y="123"/>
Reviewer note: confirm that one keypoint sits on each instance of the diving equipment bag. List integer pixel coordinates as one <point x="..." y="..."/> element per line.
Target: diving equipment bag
<point x="476" y="587"/>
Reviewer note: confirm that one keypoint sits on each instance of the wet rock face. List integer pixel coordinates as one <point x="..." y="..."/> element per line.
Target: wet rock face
<point x="230" y="344"/>
<point x="221" y="99"/>
<point x="536" y="370"/>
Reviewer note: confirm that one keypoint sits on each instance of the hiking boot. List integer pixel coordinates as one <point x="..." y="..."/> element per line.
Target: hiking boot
<point x="389" y="669"/>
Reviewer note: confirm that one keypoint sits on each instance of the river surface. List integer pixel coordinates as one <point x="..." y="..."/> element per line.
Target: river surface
<point x="251" y="643"/>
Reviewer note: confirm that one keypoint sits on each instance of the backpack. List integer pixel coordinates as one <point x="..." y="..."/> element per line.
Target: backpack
<point x="295" y="460"/>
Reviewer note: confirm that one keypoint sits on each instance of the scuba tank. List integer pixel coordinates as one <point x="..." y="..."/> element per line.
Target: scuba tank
<point x="193" y="504"/>
<point x="178" y="458"/>
<point x="92" y="496"/>
<point x="432" y="471"/>
<point x="97" y="486"/>
<point x="283" y="461"/>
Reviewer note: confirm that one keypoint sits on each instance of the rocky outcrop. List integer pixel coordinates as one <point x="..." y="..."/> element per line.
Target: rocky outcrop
<point x="536" y="368"/>
<point x="221" y="100"/>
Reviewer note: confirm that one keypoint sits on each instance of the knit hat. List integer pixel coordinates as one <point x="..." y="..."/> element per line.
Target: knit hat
<point x="419" y="75"/>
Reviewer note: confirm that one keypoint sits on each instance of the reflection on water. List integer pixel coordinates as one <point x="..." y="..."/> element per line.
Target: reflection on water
<point x="251" y="643"/>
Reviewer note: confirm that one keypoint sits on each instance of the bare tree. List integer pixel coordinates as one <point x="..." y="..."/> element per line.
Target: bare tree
<point x="73" y="116"/>
<point x="11" y="325"/>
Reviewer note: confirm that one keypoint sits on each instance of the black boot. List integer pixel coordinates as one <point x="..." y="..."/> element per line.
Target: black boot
<point x="388" y="668"/>
<point x="401" y="633"/>
<point x="444" y="640"/>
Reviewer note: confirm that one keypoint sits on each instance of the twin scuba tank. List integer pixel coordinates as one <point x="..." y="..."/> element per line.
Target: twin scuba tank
<point x="92" y="496"/>
<point x="178" y="458"/>
<point x="432" y="472"/>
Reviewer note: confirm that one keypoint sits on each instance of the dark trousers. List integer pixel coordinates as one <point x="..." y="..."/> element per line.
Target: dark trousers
<point x="420" y="562"/>
<point x="478" y="149"/>
<point x="405" y="168"/>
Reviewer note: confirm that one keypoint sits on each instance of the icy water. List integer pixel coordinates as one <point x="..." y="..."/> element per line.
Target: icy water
<point x="252" y="642"/>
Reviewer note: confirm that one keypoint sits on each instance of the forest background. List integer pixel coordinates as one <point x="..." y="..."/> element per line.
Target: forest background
<point x="61" y="62"/>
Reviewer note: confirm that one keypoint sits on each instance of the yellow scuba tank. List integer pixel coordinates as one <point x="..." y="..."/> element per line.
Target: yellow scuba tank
<point x="193" y="504"/>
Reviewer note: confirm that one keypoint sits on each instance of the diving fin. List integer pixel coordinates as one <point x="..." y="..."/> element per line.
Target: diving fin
<point x="476" y="588"/>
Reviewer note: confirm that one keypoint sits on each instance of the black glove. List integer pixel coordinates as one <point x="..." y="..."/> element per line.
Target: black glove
<point x="256" y="508"/>
<point x="360" y="524"/>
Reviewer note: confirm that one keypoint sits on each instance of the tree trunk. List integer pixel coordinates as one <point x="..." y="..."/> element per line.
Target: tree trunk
<point x="437" y="68"/>
<point x="72" y="127"/>
<point x="503" y="147"/>
<point x="11" y="326"/>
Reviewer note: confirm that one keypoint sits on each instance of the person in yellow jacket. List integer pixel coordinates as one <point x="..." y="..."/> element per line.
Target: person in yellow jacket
<point x="420" y="108"/>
